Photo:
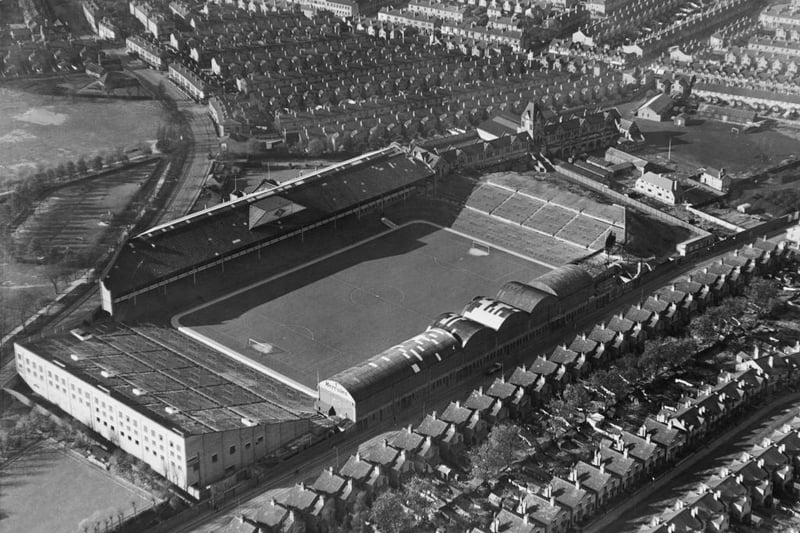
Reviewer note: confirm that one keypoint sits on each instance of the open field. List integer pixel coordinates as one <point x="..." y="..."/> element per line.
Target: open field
<point x="78" y="216"/>
<point x="333" y="313"/>
<point x="46" y="490"/>
<point x="85" y="218"/>
<point x="711" y="144"/>
<point x="50" y="129"/>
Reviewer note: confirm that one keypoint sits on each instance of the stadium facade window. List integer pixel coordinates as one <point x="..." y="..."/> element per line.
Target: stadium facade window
<point x="214" y="458"/>
<point x="233" y="450"/>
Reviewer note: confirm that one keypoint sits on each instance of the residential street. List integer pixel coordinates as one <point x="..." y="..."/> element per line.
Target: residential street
<point x="697" y="467"/>
<point x="195" y="170"/>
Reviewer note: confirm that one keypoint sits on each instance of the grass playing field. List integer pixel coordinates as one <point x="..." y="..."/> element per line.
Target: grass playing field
<point x="46" y="490"/>
<point x="336" y="312"/>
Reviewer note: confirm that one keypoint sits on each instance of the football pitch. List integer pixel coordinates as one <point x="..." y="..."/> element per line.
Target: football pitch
<point x="328" y="315"/>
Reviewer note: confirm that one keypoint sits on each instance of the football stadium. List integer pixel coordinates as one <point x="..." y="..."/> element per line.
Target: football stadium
<point x="322" y="318"/>
<point x="353" y="292"/>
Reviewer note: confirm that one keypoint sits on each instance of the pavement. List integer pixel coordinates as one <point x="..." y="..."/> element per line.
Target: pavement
<point x="694" y="468"/>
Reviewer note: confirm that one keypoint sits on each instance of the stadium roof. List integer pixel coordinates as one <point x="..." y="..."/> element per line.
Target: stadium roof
<point x="521" y="296"/>
<point x="178" y="246"/>
<point x="563" y="281"/>
<point x="490" y="312"/>
<point x="462" y="328"/>
<point x="170" y="378"/>
<point x="409" y="357"/>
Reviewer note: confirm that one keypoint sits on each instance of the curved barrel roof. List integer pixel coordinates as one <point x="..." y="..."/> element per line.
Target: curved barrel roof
<point x="521" y="296"/>
<point x="462" y="328"/>
<point x="409" y="357"/>
<point x="564" y="281"/>
<point x="490" y="312"/>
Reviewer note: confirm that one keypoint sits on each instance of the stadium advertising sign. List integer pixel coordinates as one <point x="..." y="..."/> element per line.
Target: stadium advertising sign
<point x="335" y="388"/>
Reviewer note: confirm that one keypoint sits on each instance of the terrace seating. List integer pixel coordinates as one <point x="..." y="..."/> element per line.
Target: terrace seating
<point x="584" y="231"/>
<point x="549" y="219"/>
<point x="518" y="208"/>
<point x="487" y="198"/>
<point x="516" y="238"/>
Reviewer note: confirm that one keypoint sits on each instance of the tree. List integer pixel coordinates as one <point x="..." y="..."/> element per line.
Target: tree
<point x="674" y="352"/>
<point x="707" y="328"/>
<point x="763" y="293"/>
<point x="161" y="92"/>
<point x="71" y="168"/>
<point x="491" y="457"/>
<point x="97" y="162"/>
<point x="328" y="515"/>
<point x="5" y="441"/>
<point x="85" y="525"/>
<point x="388" y="513"/>
<point x="721" y="321"/>
<point x="416" y="495"/>
<point x="316" y="147"/>
<point x="573" y="404"/>
<point x="609" y="382"/>
<point x="81" y="166"/>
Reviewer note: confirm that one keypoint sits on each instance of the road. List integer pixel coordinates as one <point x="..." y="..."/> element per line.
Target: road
<point x="204" y="142"/>
<point x="658" y="495"/>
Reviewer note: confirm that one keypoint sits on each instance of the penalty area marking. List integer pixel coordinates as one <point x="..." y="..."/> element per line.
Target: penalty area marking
<point x="233" y="354"/>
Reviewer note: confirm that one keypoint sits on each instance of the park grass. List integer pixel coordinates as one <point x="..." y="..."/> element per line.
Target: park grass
<point x="46" y="489"/>
<point x="710" y="143"/>
<point x="49" y="129"/>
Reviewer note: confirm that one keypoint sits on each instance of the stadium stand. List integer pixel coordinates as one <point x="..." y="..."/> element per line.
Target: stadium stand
<point x="518" y="208"/>
<point x="170" y="251"/>
<point x="549" y="219"/>
<point x="520" y="239"/>
<point x="541" y="190"/>
<point x="148" y="389"/>
<point x="487" y="198"/>
<point x="583" y="230"/>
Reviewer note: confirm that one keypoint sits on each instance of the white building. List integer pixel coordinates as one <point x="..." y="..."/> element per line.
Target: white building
<point x="147" y="51"/>
<point x="443" y="10"/>
<point x="192" y="426"/>
<point x="660" y="187"/>
<point x="107" y="30"/>
<point x="716" y="178"/>
<point x="340" y="8"/>
<point x="190" y="82"/>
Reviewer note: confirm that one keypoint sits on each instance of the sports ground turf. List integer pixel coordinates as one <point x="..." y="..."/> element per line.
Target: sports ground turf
<point x="338" y="311"/>
<point x="46" y="490"/>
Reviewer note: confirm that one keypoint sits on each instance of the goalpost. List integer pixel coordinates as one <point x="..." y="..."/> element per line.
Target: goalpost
<point x="260" y="346"/>
<point x="480" y="248"/>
